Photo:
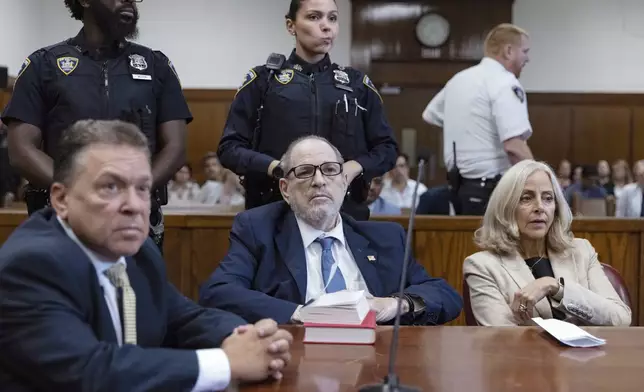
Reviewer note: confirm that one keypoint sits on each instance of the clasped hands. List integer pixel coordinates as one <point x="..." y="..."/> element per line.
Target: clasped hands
<point x="525" y="299"/>
<point x="256" y="352"/>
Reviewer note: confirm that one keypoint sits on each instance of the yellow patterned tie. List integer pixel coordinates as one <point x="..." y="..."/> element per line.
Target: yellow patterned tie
<point x="118" y="276"/>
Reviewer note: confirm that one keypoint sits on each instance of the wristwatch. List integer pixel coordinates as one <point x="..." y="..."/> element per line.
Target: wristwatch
<point x="559" y="294"/>
<point x="406" y="298"/>
<point x="278" y="172"/>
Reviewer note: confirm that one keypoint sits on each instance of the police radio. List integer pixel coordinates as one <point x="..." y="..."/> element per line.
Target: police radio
<point x="275" y="62"/>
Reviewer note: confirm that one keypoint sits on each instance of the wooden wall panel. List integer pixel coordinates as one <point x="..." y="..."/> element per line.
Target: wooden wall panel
<point x="583" y="128"/>
<point x="551" y="140"/>
<point x="637" y="142"/>
<point x="210" y="110"/>
<point x="601" y="132"/>
<point x="383" y="30"/>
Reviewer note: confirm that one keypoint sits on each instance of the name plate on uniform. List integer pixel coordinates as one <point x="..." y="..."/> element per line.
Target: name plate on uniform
<point x="141" y="77"/>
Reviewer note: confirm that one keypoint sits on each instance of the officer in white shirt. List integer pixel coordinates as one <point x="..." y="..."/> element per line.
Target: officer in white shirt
<point x="484" y="115"/>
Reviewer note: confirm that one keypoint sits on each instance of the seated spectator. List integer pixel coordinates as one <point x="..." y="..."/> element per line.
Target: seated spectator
<point x="587" y="187"/>
<point x="399" y="190"/>
<point x="227" y="193"/>
<point x="621" y="177"/>
<point x="214" y="178"/>
<point x="564" y="174"/>
<point x="629" y="203"/>
<point x="436" y="201"/>
<point x="531" y="264"/>
<point x="378" y="205"/>
<point x="182" y="189"/>
<point x="604" y="177"/>
<point x="287" y="253"/>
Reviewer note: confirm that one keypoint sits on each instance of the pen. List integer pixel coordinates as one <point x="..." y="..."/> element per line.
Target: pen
<point x="346" y="104"/>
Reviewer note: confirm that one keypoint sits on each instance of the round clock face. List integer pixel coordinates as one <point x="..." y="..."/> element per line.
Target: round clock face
<point x="432" y="30"/>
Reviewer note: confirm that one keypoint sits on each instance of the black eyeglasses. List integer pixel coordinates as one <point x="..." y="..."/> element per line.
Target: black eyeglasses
<point x="328" y="169"/>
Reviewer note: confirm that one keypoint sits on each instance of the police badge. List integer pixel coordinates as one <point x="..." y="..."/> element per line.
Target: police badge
<point x="248" y="78"/>
<point x="367" y="82"/>
<point x="285" y="76"/>
<point x="519" y="93"/>
<point x="67" y="64"/>
<point x="25" y="65"/>
<point x="341" y="76"/>
<point x="138" y="62"/>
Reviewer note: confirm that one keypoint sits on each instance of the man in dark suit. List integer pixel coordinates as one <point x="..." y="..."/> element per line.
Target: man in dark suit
<point x="285" y="254"/>
<point x="84" y="300"/>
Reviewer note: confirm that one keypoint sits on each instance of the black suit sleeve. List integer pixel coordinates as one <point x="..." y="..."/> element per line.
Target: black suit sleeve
<point x="191" y="326"/>
<point x="47" y="341"/>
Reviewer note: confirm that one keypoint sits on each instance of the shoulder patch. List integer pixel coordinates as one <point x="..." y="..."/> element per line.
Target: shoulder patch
<point x="24" y="67"/>
<point x="519" y="93"/>
<point x="285" y="76"/>
<point x="248" y="79"/>
<point x="367" y="82"/>
<point x="67" y="64"/>
<point x="174" y="71"/>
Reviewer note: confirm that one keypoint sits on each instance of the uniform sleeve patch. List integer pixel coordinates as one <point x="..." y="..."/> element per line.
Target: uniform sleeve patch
<point x="174" y="70"/>
<point x="248" y="79"/>
<point x="23" y="68"/>
<point x="367" y="82"/>
<point x="519" y="93"/>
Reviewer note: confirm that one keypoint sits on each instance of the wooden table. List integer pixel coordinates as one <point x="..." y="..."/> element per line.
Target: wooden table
<point x="470" y="359"/>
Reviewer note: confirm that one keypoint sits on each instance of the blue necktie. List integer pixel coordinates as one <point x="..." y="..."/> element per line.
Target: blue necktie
<point x="337" y="282"/>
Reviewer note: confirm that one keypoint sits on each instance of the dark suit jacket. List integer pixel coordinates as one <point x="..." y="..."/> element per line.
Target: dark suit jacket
<point x="264" y="273"/>
<point x="434" y="202"/>
<point x="56" y="333"/>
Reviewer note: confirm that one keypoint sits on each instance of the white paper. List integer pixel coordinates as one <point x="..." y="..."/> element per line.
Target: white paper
<point x="568" y="334"/>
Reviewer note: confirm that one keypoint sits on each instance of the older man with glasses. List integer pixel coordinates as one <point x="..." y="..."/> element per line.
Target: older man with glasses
<point x="285" y="254"/>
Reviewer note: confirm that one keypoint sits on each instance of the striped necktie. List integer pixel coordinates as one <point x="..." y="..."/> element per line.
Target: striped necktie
<point x="118" y="276"/>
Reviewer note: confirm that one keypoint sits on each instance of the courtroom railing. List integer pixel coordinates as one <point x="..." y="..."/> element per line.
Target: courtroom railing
<point x="194" y="245"/>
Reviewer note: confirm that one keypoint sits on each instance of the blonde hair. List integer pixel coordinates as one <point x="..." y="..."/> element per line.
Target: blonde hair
<point x="500" y="232"/>
<point x="501" y="35"/>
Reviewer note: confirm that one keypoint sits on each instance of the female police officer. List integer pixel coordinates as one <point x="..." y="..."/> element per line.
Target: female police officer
<point x="307" y="94"/>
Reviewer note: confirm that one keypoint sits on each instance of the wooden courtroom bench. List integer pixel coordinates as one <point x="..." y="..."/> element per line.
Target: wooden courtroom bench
<point x="195" y="243"/>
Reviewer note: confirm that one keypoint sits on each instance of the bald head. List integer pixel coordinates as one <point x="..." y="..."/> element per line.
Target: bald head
<point x="293" y="155"/>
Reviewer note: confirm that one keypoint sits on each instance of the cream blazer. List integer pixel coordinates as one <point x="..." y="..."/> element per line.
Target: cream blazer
<point x="589" y="297"/>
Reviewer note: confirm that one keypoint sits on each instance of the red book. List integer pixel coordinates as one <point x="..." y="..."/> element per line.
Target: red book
<point x="364" y="333"/>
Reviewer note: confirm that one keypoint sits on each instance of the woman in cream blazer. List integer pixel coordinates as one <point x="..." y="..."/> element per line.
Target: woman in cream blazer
<point x="531" y="265"/>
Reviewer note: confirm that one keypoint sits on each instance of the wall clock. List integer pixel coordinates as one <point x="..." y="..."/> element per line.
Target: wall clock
<point x="432" y="30"/>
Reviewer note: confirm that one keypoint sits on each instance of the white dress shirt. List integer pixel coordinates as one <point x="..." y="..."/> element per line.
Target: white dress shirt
<point x="214" y="368"/>
<point x="629" y="202"/>
<point x="479" y="109"/>
<point x="402" y="199"/>
<point x="341" y="254"/>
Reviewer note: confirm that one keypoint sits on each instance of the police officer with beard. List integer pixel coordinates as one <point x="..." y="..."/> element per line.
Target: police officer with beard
<point x="307" y="95"/>
<point x="98" y="74"/>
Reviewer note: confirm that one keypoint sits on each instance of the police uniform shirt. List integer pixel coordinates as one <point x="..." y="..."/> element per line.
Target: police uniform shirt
<point x="70" y="81"/>
<point x="325" y="99"/>
<point x="479" y="109"/>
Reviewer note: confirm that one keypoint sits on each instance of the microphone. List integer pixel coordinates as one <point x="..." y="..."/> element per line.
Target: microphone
<point x="391" y="382"/>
